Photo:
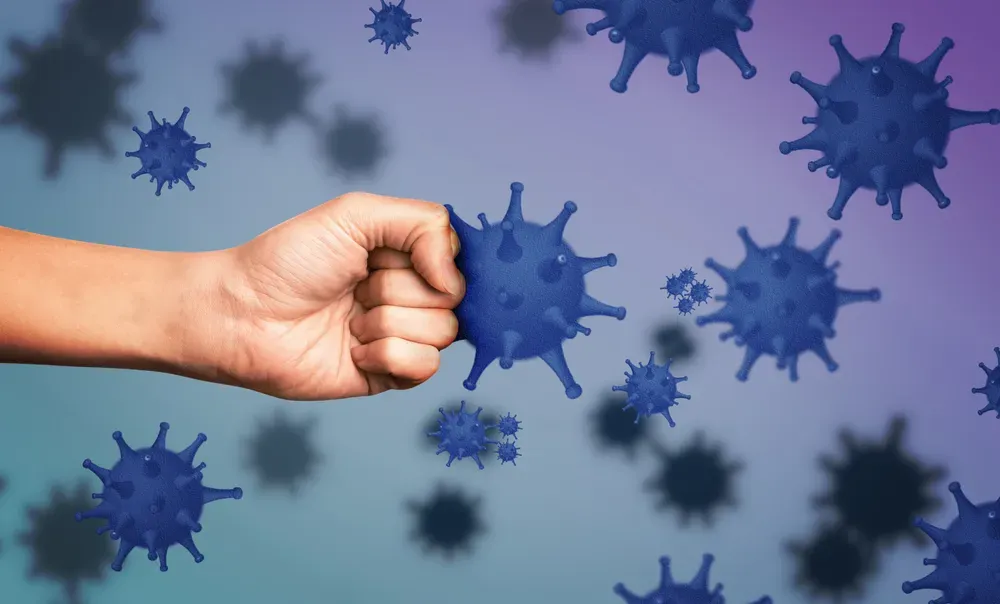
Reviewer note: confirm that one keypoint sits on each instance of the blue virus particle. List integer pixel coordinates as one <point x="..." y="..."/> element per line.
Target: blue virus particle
<point x="525" y="291"/>
<point x="700" y="293"/>
<point x="392" y="25"/>
<point x="695" y="592"/>
<point x="153" y="498"/>
<point x="991" y="389"/>
<point x="651" y="389"/>
<point x="507" y="451"/>
<point x="883" y="124"/>
<point x="462" y="434"/>
<point x="685" y="306"/>
<point x="679" y="31"/>
<point x="782" y="300"/>
<point x="687" y="276"/>
<point x="167" y="152"/>
<point x="675" y="287"/>
<point x="508" y="425"/>
<point x="968" y="554"/>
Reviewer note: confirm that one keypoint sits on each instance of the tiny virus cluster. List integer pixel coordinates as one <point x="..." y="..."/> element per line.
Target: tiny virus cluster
<point x="651" y="389"/>
<point x="461" y="434"/>
<point x="447" y="522"/>
<point x="392" y="25"/>
<point x="669" y="590"/>
<point x="525" y="291"/>
<point x="688" y="292"/>
<point x="167" y="152"/>
<point x="991" y="389"/>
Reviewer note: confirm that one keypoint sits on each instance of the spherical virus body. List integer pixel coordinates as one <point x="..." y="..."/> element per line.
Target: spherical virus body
<point x="782" y="301"/>
<point x="965" y="570"/>
<point x="991" y="389"/>
<point x="153" y="498"/>
<point x="507" y="451"/>
<point x="167" y="152"/>
<point x="509" y="426"/>
<point x="679" y="31"/>
<point x="883" y="124"/>
<point x="392" y="25"/>
<point x="651" y="389"/>
<point x="525" y="291"/>
<point x="695" y="592"/>
<point x="461" y="434"/>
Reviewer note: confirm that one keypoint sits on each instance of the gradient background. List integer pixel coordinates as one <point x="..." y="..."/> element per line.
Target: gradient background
<point x="663" y="179"/>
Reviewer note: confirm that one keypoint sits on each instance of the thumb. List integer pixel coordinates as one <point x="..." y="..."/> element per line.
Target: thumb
<point x="419" y="228"/>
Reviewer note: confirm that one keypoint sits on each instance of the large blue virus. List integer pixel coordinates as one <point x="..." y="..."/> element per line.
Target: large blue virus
<point x="167" y="152"/>
<point x="679" y="31"/>
<point x="991" y="389"/>
<point x="461" y="434"/>
<point x="525" y="291"/>
<point x="883" y="124"/>
<point x="651" y="389"/>
<point x="965" y="570"/>
<point x="782" y="301"/>
<point x="153" y="498"/>
<point x="669" y="591"/>
<point x="392" y="25"/>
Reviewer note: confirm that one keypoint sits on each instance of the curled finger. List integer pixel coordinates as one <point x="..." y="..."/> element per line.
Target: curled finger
<point x="434" y="326"/>
<point x="401" y="287"/>
<point x="399" y="358"/>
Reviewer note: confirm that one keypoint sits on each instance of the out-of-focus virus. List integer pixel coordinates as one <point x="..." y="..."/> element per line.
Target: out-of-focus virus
<point x="282" y="452"/>
<point x="354" y="145"/>
<point x="507" y="451"/>
<point x="679" y="31"/>
<point x="965" y="569"/>
<point x="833" y="563"/>
<point x="696" y="480"/>
<point x="108" y="27"/>
<point x="66" y="96"/>
<point x="614" y="428"/>
<point x="448" y="522"/>
<point x="62" y="550"/>
<point x="673" y="341"/>
<point x="670" y="591"/>
<point x="883" y="124"/>
<point x="991" y="389"/>
<point x="525" y="291"/>
<point x="782" y="300"/>
<point x="651" y="389"/>
<point x="3" y="489"/>
<point x="167" y="152"/>
<point x="269" y="88"/>
<point x="153" y="498"/>
<point x="878" y="487"/>
<point x="392" y="25"/>
<point x="462" y="434"/>
<point x="531" y="29"/>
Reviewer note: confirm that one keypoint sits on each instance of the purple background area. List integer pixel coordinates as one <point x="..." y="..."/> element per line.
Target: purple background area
<point x="663" y="178"/>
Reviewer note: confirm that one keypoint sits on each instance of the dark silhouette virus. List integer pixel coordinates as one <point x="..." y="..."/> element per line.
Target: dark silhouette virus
<point x="269" y="88"/>
<point x="614" y="428"/>
<point x="448" y="522"/>
<point x="697" y="480"/>
<point x="525" y="291"/>
<point x="462" y="434"/>
<point x="878" y="487"/>
<point x="65" y="551"/>
<point x="153" y="498"/>
<point x="991" y="389"/>
<point x="673" y="341"/>
<point x="282" y="453"/>
<point x="65" y="95"/>
<point x="3" y="489"/>
<point x="167" y="152"/>
<point x="354" y="145"/>
<point x="833" y="563"/>
<point x="883" y="124"/>
<point x="965" y="569"/>
<point x="108" y="27"/>
<point x="651" y="389"/>
<point x="392" y="25"/>
<point x="531" y="29"/>
<point x="670" y="591"/>
<point x="679" y="31"/>
<point x="782" y="300"/>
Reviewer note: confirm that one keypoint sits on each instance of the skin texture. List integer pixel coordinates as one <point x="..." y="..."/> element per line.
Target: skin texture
<point x="351" y="298"/>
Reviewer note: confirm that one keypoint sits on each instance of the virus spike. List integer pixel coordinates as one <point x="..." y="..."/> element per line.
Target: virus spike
<point x="187" y="455"/>
<point x="892" y="47"/>
<point x="515" y="212"/>
<point x="958" y="118"/>
<point x="588" y="265"/>
<point x="670" y="591"/>
<point x="102" y="474"/>
<point x="555" y="229"/>
<point x="161" y="437"/>
<point x="844" y="56"/>
<point x="556" y="360"/>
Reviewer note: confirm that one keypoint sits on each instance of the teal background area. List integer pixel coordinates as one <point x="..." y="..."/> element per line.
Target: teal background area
<point x="663" y="179"/>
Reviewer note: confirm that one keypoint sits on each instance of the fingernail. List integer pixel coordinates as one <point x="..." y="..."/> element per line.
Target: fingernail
<point x="456" y="245"/>
<point x="358" y="353"/>
<point x="456" y="282"/>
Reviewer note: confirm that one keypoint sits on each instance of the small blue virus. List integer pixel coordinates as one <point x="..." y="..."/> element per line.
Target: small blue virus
<point x="675" y="287"/>
<point x="509" y="426"/>
<point x="669" y="591"/>
<point x="687" y="276"/>
<point x="461" y="435"/>
<point x="153" y="498"/>
<point x="167" y="152"/>
<point x="965" y="571"/>
<point x="525" y="291"/>
<point x="991" y="389"/>
<point x="883" y="124"/>
<point x="782" y="300"/>
<point x="392" y="25"/>
<point x="651" y="389"/>
<point x="685" y="306"/>
<point x="507" y="451"/>
<point x="700" y="293"/>
<point x="679" y="31"/>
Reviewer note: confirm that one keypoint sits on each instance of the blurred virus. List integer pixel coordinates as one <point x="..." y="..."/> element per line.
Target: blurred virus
<point x="833" y="563"/>
<point x="3" y="489"/>
<point x="488" y="417"/>
<point x="531" y="29"/>
<point x="696" y="480"/>
<point x="991" y="389"/>
<point x="673" y="341"/>
<point x="63" y="550"/>
<point x="108" y="27"/>
<point x="268" y="88"/>
<point x="354" y="145"/>
<point x="282" y="453"/>
<point x="878" y="488"/>
<point x="614" y="428"/>
<point x="447" y="522"/>
<point x="66" y="96"/>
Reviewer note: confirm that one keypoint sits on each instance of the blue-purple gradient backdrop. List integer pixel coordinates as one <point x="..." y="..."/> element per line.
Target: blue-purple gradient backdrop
<point x="663" y="178"/>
